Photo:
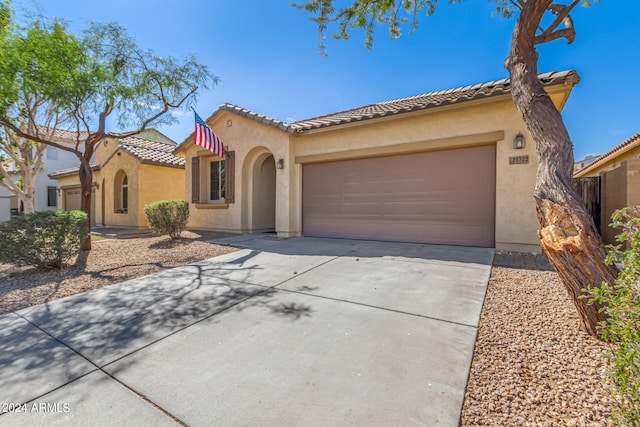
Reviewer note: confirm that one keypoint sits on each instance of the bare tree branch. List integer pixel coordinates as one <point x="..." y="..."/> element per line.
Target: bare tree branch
<point x="36" y="138"/>
<point x="562" y="17"/>
<point x="568" y="33"/>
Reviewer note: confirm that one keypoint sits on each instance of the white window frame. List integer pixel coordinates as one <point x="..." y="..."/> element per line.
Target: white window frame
<point x="221" y="181"/>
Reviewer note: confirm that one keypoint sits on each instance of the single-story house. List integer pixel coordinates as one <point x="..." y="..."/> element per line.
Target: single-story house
<point x="451" y="167"/>
<point x="618" y="171"/>
<point x="128" y="173"/>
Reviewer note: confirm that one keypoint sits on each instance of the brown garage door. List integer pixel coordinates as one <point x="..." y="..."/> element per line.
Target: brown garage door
<point x="443" y="197"/>
<point x="72" y="199"/>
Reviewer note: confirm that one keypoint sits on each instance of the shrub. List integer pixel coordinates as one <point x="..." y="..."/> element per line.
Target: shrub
<point x="621" y="303"/>
<point x="43" y="239"/>
<point x="167" y="217"/>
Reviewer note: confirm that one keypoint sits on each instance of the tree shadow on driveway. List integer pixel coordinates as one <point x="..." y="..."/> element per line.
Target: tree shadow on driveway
<point x="49" y="345"/>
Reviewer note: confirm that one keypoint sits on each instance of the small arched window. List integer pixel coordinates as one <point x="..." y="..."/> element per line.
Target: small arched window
<point x="121" y="192"/>
<point x="125" y="194"/>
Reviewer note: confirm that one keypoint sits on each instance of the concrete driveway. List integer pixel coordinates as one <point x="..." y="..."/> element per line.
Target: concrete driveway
<point x="305" y="331"/>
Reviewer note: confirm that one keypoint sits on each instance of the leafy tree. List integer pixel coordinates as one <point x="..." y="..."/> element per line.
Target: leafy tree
<point x="622" y="306"/>
<point x="20" y="164"/>
<point x="567" y="233"/>
<point x="98" y="74"/>
<point x="5" y="18"/>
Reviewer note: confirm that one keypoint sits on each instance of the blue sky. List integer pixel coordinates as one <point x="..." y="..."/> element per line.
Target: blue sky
<point x="266" y="54"/>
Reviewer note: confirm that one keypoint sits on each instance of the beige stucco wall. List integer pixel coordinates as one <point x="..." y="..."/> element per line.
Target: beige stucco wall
<point x="492" y="120"/>
<point x="128" y="164"/>
<point x="253" y="144"/>
<point x="516" y="221"/>
<point x="619" y="187"/>
<point x="147" y="183"/>
<point x="158" y="183"/>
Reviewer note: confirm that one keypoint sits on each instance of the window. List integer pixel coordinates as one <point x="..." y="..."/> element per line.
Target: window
<point x="216" y="180"/>
<point x="52" y="197"/>
<point x="213" y="181"/>
<point x="125" y="194"/>
<point x="121" y="192"/>
<point x="52" y="153"/>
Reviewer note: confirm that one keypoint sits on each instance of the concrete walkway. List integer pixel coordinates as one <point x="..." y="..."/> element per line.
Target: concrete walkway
<point x="305" y="331"/>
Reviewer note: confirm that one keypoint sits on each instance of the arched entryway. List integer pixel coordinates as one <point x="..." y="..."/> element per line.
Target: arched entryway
<point x="259" y="191"/>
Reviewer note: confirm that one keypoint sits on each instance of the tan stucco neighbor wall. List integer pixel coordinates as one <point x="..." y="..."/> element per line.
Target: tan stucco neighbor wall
<point x="121" y="163"/>
<point x="146" y="183"/>
<point x="619" y="185"/>
<point x="612" y="163"/>
<point x="158" y="183"/>
<point x="488" y="121"/>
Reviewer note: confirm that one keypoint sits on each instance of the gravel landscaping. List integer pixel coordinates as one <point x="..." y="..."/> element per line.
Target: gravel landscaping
<point x="531" y="366"/>
<point x="110" y="261"/>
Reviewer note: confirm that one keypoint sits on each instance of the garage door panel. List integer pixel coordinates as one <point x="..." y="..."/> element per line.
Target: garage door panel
<point x="417" y="231"/>
<point x="72" y="199"/>
<point x="443" y="197"/>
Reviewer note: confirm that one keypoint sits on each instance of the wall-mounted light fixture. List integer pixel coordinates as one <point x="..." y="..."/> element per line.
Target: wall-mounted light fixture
<point x="518" y="141"/>
<point x="280" y="164"/>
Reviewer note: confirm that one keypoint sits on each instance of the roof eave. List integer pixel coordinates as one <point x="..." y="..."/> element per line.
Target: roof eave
<point x="242" y="112"/>
<point x="167" y="165"/>
<point x="616" y="151"/>
<point x="65" y="174"/>
<point x="564" y="80"/>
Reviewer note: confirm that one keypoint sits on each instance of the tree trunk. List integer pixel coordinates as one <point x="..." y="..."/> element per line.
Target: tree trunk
<point x="28" y="202"/>
<point x="25" y="202"/>
<point x="28" y="195"/>
<point x="86" y="178"/>
<point x="567" y="233"/>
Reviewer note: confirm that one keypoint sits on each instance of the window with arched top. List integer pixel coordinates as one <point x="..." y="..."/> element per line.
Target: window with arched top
<point x="121" y="192"/>
<point x="125" y="194"/>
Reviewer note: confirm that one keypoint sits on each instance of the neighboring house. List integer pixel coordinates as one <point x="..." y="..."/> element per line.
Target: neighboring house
<point x="441" y="168"/>
<point x="128" y="173"/>
<point x="619" y="181"/>
<point x="5" y="204"/>
<point x="5" y="197"/>
<point x="584" y="162"/>
<point x="45" y="188"/>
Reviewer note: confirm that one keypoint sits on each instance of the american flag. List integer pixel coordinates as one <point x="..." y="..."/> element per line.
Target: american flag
<point x="206" y="138"/>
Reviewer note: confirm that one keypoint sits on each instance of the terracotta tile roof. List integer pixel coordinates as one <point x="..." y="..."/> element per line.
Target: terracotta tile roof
<point x="254" y="116"/>
<point x="403" y="105"/>
<point x="69" y="172"/>
<point x="429" y="100"/>
<point x="627" y="145"/>
<point x="69" y="135"/>
<point x="154" y="152"/>
<point x="150" y="152"/>
<point x="397" y="106"/>
<point x="64" y="135"/>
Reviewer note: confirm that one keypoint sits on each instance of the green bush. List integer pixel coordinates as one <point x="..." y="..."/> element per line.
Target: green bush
<point x="43" y="239"/>
<point x="621" y="303"/>
<point x="167" y="217"/>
